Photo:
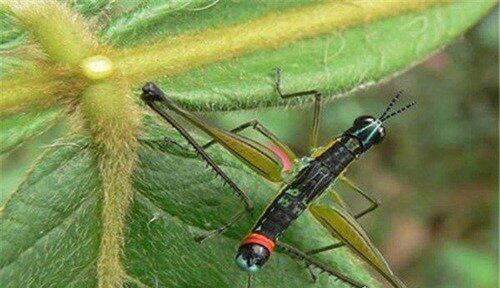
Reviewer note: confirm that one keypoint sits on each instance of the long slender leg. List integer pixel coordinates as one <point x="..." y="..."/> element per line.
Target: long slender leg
<point x="234" y="130"/>
<point x="249" y="281"/>
<point x="255" y="124"/>
<point x="325" y="248"/>
<point x="298" y="254"/>
<point x="181" y="146"/>
<point x="375" y="203"/>
<point x="313" y="141"/>
<point x="210" y="163"/>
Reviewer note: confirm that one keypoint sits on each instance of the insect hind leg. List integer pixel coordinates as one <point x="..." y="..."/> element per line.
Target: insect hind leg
<point x="311" y="262"/>
<point x="181" y="146"/>
<point x="374" y="204"/>
<point x="221" y="229"/>
<point x="211" y="163"/>
<point x="259" y="127"/>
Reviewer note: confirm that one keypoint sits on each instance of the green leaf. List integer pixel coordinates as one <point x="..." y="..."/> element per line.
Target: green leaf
<point x="51" y="225"/>
<point x="131" y="24"/>
<point x="18" y="128"/>
<point x="334" y="63"/>
<point x="10" y="35"/>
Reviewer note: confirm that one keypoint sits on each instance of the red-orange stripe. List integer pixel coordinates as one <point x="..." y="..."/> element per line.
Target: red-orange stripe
<point x="255" y="238"/>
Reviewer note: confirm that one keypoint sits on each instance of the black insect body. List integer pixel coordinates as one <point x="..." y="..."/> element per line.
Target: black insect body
<point x="310" y="182"/>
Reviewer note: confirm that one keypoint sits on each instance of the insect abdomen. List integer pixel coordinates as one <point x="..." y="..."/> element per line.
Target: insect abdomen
<point x="309" y="183"/>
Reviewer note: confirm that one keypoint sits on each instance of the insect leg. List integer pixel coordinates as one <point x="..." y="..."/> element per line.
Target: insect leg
<point x="325" y="248"/>
<point x="258" y="157"/>
<point x="374" y="205"/>
<point x="179" y="145"/>
<point x="249" y="281"/>
<point x="374" y="201"/>
<point x="310" y="261"/>
<point x="313" y="140"/>
<point x="256" y="125"/>
<point x="311" y="272"/>
<point x="199" y="150"/>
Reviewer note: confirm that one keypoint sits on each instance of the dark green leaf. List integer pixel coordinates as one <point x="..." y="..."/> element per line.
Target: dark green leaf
<point x="51" y="226"/>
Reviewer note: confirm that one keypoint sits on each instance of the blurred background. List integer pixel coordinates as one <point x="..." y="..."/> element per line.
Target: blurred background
<point x="436" y="172"/>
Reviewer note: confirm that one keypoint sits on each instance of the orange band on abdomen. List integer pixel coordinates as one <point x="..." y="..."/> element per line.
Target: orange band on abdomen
<point x="255" y="238"/>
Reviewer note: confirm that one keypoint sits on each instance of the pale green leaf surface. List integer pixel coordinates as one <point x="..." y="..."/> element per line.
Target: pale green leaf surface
<point x="51" y="231"/>
<point x="51" y="226"/>
<point x="335" y="63"/>
<point x="10" y="35"/>
<point x="151" y="20"/>
<point x="16" y="129"/>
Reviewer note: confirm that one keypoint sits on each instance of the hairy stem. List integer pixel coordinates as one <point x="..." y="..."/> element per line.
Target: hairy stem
<point x="61" y="33"/>
<point x="112" y="119"/>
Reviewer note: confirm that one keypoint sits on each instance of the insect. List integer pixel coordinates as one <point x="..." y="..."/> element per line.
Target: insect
<point x="311" y="178"/>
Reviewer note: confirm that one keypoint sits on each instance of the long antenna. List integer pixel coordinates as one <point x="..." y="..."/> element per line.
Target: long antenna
<point x="386" y="116"/>
<point x="393" y="101"/>
<point x="398" y="111"/>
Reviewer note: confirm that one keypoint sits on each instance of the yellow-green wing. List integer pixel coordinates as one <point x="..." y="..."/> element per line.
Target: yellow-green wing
<point x="336" y="198"/>
<point x="344" y="227"/>
<point x="258" y="157"/>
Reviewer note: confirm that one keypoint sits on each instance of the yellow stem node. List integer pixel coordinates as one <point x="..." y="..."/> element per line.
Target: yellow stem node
<point x="97" y="67"/>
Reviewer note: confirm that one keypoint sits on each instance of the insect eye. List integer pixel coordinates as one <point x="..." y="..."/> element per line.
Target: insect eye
<point x="380" y="135"/>
<point x="363" y="120"/>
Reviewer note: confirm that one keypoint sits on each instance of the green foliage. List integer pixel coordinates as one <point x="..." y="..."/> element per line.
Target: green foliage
<point x="16" y="129"/>
<point x="334" y="63"/>
<point x="51" y="225"/>
<point x="467" y="267"/>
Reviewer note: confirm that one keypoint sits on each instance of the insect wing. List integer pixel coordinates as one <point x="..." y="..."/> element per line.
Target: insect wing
<point x="255" y="155"/>
<point x="344" y="227"/>
<point x="336" y="198"/>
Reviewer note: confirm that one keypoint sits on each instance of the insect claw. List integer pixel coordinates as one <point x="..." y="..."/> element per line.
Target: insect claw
<point x="211" y="233"/>
<point x="199" y="239"/>
<point x="311" y="272"/>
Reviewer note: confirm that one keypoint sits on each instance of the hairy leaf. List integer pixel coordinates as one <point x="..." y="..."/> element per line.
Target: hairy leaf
<point x="334" y="63"/>
<point x="16" y="129"/>
<point x="51" y="226"/>
<point x="209" y="55"/>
